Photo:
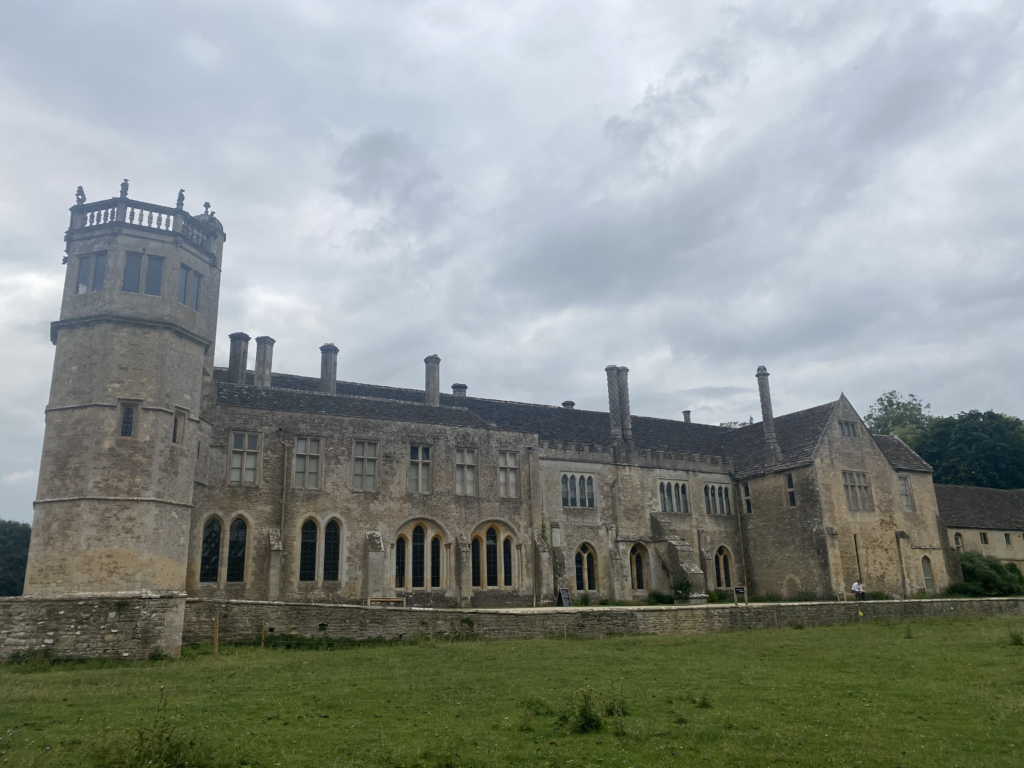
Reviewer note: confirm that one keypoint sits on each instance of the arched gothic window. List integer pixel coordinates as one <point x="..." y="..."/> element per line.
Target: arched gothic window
<point x="492" y="557"/>
<point x="307" y="552"/>
<point x="578" y="491"/>
<point x="236" y="551"/>
<point x="636" y="559"/>
<point x="506" y="561"/>
<point x="210" y="563"/>
<point x="673" y="497"/>
<point x="586" y="569"/>
<point x="723" y="571"/>
<point x="400" y="563"/>
<point x="417" y="556"/>
<point x="565" y="490"/>
<point x="475" y="549"/>
<point x="332" y="551"/>
<point x="716" y="500"/>
<point x="929" y="581"/>
<point x="435" y="562"/>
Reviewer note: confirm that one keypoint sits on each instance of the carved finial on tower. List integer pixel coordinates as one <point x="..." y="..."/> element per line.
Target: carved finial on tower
<point x="181" y="199"/>
<point x="772" y="452"/>
<point x="79" y="196"/>
<point x="124" y="188"/>
<point x="207" y="207"/>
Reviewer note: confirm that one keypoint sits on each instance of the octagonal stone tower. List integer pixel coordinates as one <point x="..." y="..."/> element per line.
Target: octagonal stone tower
<point x="134" y="340"/>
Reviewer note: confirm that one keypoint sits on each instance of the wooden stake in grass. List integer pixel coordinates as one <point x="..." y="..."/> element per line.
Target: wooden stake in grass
<point x="216" y="633"/>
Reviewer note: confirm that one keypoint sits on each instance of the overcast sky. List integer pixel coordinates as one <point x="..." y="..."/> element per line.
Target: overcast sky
<point x="535" y="190"/>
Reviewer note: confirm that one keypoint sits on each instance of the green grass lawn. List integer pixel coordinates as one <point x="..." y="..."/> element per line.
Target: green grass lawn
<point x="924" y="693"/>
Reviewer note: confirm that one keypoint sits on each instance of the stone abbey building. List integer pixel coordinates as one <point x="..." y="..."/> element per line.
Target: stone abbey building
<point x="164" y="475"/>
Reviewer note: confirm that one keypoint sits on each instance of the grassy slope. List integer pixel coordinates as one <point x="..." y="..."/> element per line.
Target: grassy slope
<point x="952" y="694"/>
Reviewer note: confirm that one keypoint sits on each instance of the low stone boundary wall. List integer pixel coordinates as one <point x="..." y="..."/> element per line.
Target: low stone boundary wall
<point x="243" y="620"/>
<point x="98" y="627"/>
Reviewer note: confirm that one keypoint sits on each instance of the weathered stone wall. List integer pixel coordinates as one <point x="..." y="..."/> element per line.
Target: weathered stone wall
<point x="103" y="627"/>
<point x="244" y="621"/>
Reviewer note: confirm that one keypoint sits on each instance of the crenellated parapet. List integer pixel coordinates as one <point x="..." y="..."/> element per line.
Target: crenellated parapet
<point x="553" y="450"/>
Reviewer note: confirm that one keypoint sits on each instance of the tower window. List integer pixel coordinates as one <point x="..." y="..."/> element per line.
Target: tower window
<point x="244" y="458"/>
<point x="127" y="420"/>
<point x="307" y="462"/>
<point x="132" y="272"/>
<point x="189" y="282"/>
<point x="508" y="475"/>
<point x="154" y="274"/>
<point x="419" y="469"/>
<point x="465" y="472"/>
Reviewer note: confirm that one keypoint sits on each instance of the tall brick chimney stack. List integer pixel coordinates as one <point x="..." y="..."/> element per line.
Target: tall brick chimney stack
<point x="614" y="407"/>
<point x="433" y="363"/>
<point x="238" y="357"/>
<point x="264" y="360"/>
<point x="329" y="369"/>
<point x="772" y="452"/>
<point x="686" y="416"/>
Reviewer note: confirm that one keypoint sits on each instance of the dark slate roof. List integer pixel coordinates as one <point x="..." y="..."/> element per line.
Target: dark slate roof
<point x="901" y="455"/>
<point x="966" y="506"/>
<point x="344" y="405"/>
<point x="798" y="434"/>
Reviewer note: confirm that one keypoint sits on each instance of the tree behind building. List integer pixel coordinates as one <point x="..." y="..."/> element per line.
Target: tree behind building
<point x="13" y="556"/>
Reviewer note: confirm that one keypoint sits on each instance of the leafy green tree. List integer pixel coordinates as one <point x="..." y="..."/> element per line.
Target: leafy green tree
<point x="987" y="576"/>
<point x="13" y="556"/>
<point x="975" y="448"/>
<point x="906" y="417"/>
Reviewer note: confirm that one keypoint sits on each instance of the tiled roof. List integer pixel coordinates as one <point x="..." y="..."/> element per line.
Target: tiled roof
<point x="901" y="455"/>
<point x="798" y="433"/>
<point x="966" y="506"/>
<point x="343" y="405"/>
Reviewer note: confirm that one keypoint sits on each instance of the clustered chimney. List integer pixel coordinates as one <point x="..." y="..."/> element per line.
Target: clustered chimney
<point x="459" y="390"/>
<point x="238" y="357"/>
<point x="433" y="363"/>
<point x="568" y="404"/>
<point x="772" y="452"/>
<point x="329" y="369"/>
<point x="686" y="416"/>
<point x="618" y="402"/>
<point x="264" y="360"/>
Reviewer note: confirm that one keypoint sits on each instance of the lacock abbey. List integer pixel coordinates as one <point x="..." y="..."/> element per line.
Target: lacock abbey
<point x="163" y="475"/>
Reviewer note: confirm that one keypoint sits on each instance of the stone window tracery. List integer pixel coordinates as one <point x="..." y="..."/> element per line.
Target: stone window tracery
<point x="307" y="552"/>
<point x="578" y="491"/>
<point x="723" y="570"/>
<point x="209" y="564"/>
<point x="332" y="551"/>
<point x="420" y="556"/>
<point x="236" y="550"/>
<point x="586" y="569"/>
<point x="673" y="497"/>
<point x="636" y="563"/>
<point x="716" y="500"/>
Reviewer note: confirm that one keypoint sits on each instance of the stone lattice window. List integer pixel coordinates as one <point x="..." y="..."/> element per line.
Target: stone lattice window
<point x="508" y="474"/>
<point x="716" y="500"/>
<point x="465" y="472"/>
<point x="307" y="462"/>
<point x="586" y="569"/>
<point x="127" y="420"/>
<point x="578" y="491"/>
<point x="723" y="568"/>
<point x="857" y="489"/>
<point x="332" y="551"/>
<point x="209" y="564"/>
<point x="307" y="552"/>
<point x="673" y="497"/>
<point x="848" y="428"/>
<point x="419" y="469"/>
<point x="236" y="550"/>
<point x="244" y="458"/>
<point x="364" y="466"/>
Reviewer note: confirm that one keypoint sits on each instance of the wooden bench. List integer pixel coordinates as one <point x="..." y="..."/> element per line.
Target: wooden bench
<point x="398" y="602"/>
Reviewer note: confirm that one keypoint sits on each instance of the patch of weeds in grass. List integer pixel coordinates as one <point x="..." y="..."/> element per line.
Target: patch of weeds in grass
<point x="907" y="633"/>
<point x="704" y="702"/>
<point x="581" y="714"/>
<point x="382" y="754"/>
<point x="585" y="598"/>
<point x="1016" y="637"/>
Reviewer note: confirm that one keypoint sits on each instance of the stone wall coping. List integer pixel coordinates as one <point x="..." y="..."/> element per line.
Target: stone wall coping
<point x="92" y="597"/>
